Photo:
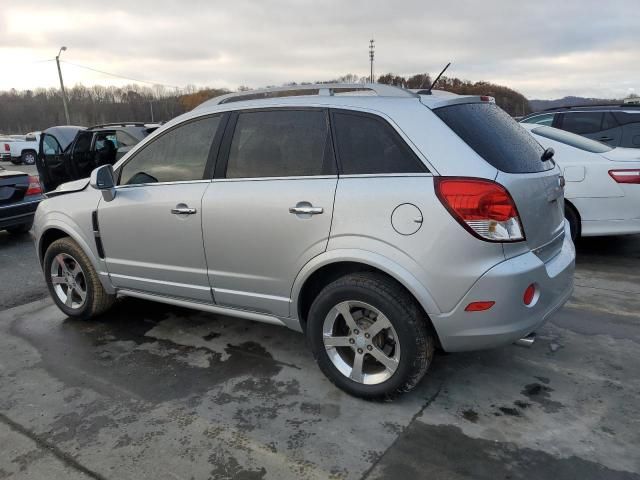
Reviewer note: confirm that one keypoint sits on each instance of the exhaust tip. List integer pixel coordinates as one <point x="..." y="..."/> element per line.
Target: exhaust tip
<point x="527" y="341"/>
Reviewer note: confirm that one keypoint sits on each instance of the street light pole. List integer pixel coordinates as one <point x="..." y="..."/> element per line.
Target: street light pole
<point x="64" y="95"/>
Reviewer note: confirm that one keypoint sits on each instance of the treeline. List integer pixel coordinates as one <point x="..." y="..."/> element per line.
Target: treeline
<point x="30" y="110"/>
<point x="511" y="101"/>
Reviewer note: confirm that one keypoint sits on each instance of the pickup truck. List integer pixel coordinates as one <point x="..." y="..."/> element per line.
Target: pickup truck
<point x="21" y="148"/>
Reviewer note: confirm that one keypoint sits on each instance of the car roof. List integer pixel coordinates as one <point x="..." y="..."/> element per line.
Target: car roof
<point x="365" y="96"/>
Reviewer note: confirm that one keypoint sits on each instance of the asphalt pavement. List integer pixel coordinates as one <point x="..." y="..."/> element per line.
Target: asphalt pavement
<point x="159" y="392"/>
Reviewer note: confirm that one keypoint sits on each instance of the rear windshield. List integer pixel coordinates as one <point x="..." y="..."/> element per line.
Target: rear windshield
<point x="495" y="136"/>
<point x="573" y="140"/>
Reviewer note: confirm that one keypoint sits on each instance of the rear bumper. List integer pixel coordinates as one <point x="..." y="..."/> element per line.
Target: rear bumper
<point x="19" y="213"/>
<point x="594" y="228"/>
<point x="509" y="319"/>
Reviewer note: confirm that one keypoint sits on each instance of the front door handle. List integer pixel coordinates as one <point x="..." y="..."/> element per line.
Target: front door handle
<point x="606" y="139"/>
<point x="304" y="210"/>
<point x="183" y="210"/>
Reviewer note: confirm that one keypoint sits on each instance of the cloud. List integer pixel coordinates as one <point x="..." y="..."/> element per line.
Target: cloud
<point x="543" y="48"/>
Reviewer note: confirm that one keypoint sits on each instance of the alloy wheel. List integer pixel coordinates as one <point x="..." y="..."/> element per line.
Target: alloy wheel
<point x="361" y="342"/>
<point x="68" y="280"/>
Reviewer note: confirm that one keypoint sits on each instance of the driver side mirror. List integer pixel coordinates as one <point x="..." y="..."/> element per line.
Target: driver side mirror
<point x="103" y="179"/>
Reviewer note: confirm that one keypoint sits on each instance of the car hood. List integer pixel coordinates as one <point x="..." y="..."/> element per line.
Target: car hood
<point x="621" y="154"/>
<point x="69" y="187"/>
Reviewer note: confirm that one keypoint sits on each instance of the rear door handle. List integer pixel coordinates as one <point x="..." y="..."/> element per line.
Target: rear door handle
<point x="179" y="210"/>
<point x="306" y="210"/>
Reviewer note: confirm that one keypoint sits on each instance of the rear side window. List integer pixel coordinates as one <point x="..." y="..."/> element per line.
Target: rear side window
<point x="280" y="143"/>
<point x="368" y="145"/>
<point x="180" y="154"/>
<point x="495" y="136"/>
<point x="545" y="119"/>
<point x="582" y="122"/>
<point x="571" y="139"/>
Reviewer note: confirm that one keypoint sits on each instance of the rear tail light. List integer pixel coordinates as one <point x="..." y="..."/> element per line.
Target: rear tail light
<point x="34" y="185"/>
<point x="7" y="148"/>
<point x="625" y="176"/>
<point x="483" y="207"/>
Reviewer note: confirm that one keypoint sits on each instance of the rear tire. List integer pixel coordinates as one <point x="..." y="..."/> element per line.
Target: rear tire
<point x="573" y="218"/>
<point x="73" y="282"/>
<point x="20" y="229"/>
<point x="28" y="157"/>
<point x="391" y="358"/>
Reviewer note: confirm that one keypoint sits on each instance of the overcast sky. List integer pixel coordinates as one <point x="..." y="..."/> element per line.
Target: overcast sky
<point x="542" y="48"/>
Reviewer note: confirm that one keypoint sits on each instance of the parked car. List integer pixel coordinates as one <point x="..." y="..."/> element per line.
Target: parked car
<point x="383" y="226"/>
<point x="602" y="191"/>
<point x="20" y="194"/>
<point x="71" y="153"/>
<point x="20" y="148"/>
<point x="615" y="125"/>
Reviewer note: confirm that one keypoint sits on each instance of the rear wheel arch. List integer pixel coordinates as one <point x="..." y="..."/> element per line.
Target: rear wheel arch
<point x="328" y="273"/>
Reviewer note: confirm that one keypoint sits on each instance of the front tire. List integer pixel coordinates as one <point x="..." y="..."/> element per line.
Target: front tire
<point x="73" y="282"/>
<point x="369" y="336"/>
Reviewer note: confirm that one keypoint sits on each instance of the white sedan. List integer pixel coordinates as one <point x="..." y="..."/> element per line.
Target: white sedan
<point x="602" y="189"/>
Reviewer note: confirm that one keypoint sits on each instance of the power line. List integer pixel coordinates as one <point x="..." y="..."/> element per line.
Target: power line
<point x="119" y="76"/>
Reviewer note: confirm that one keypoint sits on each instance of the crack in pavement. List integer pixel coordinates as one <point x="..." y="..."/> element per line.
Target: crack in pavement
<point x="429" y="401"/>
<point x="65" y="458"/>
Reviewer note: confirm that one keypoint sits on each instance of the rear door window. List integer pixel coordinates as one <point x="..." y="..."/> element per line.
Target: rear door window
<point x="582" y="122"/>
<point x="281" y="143"/>
<point x="367" y="144"/>
<point x="495" y="136"/>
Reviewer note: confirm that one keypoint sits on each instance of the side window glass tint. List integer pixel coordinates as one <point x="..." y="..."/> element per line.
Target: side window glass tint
<point x="582" y="122"/>
<point x="546" y="119"/>
<point x="368" y="145"/>
<point x="179" y="155"/>
<point x="608" y="121"/>
<point x="280" y="143"/>
<point x="51" y="145"/>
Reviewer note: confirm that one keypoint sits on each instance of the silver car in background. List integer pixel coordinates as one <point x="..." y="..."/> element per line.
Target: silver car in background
<point x="381" y="222"/>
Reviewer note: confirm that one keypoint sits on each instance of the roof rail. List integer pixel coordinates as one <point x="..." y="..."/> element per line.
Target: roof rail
<point x="321" y="89"/>
<point x="119" y="124"/>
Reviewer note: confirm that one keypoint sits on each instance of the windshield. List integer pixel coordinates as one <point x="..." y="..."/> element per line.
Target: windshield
<point x="495" y="136"/>
<point x="573" y="140"/>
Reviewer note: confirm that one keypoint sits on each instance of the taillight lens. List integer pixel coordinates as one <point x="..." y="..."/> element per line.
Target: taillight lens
<point x="7" y="148"/>
<point x="625" y="176"/>
<point x="34" y="185"/>
<point x="483" y="207"/>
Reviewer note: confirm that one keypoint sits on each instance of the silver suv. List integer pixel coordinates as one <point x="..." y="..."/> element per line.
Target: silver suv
<point x="383" y="223"/>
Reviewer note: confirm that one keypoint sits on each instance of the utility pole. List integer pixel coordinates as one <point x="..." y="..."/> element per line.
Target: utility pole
<point x="64" y="95"/>
<point x="371" y="56"/>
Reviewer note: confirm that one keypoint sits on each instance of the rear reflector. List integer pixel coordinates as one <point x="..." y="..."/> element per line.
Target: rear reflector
<point x="34" y="186"/>
<point x="625" y="176"/>
<point x="529" y="294"/>
<point x="479" y="306"/>
<point x="483" y="207"/>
